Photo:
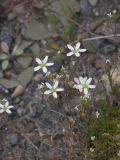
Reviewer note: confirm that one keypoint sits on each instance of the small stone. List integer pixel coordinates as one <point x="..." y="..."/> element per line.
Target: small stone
<point x="13" y="138"/>
<point x="85" y="8"/>
<point x="47" y="123"/>
<point x="18" y="91"/>
<point x="36" y="31"/>
<point x="38" y="77"/>
<point x="108" y="49"/>
<point x="35" y="49"/>
<point x="97" y="61"/>
<point x="21" y="111"/>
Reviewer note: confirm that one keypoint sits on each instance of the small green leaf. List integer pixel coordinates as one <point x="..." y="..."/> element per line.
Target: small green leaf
<point x="25" y="77"/>
<point x="8" y="83"/>
<point x="24" y="61"/>
<point x="5" y="64"/>
<point x="68" y="30"/>
<point x="3" y="56"/>
<point x="52" y="19"/>
<point x="17" y="51"/>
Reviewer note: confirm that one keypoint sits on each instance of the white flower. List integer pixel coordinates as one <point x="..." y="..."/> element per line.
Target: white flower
<point x="53" y="89"/>
<point x="4" y="106"/>
<point x="114" y="11"/>
<point x="48" y="74"/>
<point x="109" y="15"/>
<point x="40" y="86"/>
<point x="97" y="114"/>
<point x="75" y="50"/>
<point x="107" y="61"/>
<point x="118" y="153"/>
<point x="76" y="108"/>
<point x="86" y="96"/>
<point x="93" y="138"/>
<point x="59" y="76"/>
<point x="92" y="150"/>
<point x="118" y="125"/>
<point x="83" y="84"/>
<point x="73" y="63"/>
<point x="42" y="64"/>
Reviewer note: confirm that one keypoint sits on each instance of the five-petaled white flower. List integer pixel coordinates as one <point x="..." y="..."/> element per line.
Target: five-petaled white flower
<point x="83" y="84"/>
<point x="109" y="15"/>
<point x="97" y="114"/>
<point x="4" y="106"/>
<point x="53" y="89"/>
<point x="92" y="138"/>
<point x="42" y="64"/>
<point x="75" y="50"/>
<point x="92" y="150"/>
<point x="107" y="61"/>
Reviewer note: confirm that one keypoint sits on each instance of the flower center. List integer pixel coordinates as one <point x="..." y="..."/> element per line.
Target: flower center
<point x="5" y="109"/>
<point x="53" y="90"/>
<point x="85" y="85"/>
<point x="75" y="51"/>
<point x="43" y="65"/>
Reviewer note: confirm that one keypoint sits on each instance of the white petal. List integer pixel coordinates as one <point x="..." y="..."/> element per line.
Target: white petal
<point x="1" y="110"/>
<point x="37" y="68"/>
<point x="47" y="92"/>
<point x="77" y="45"/>
<point x="82" y="50"/>
<point x="92" y="86"/>
<point x="85" y="79"/>
<point x="48" y="85"/>
<point x="1" y="106"/>
<point x="10" y="106"/>
<point x="8" y="111"/>
<point x="75" y="86"/>
<point x="60" y="89"/>
<point x="56" y="84"/>
<point x="78" y="86"/>
<point x="44" y="69"/>
<point x="6" y="104"/>
<point x="81" y="90"/>
<point x="49" y="64"/>
<point x="45" y="59"/>
<point x="77" y="54"/>
<point x="70" y="47"/>
<point x="85" y="91"/>
<point x="55" y="94"/>
<point x="70" y="54"/>
<point x="89" y="80"/>
<point x="38" y="60"/>
<point x="82" y="81"/>
<point x="76" y="80"/>
<point x="4" y="100"/>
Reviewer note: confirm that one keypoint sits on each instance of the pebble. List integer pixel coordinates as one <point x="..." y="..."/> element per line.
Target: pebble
<point x="85" y="6"/>
<point x="13" y="138"/>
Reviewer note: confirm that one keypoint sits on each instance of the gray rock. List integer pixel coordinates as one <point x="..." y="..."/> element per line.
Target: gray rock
<point x="36" y="31"/>
<point x="85" y="8"/>
<point x="35" y="49"/>
<point x="47" y="123"/>
<point x="13" y="138"/>
<point x="107" y="49"/>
